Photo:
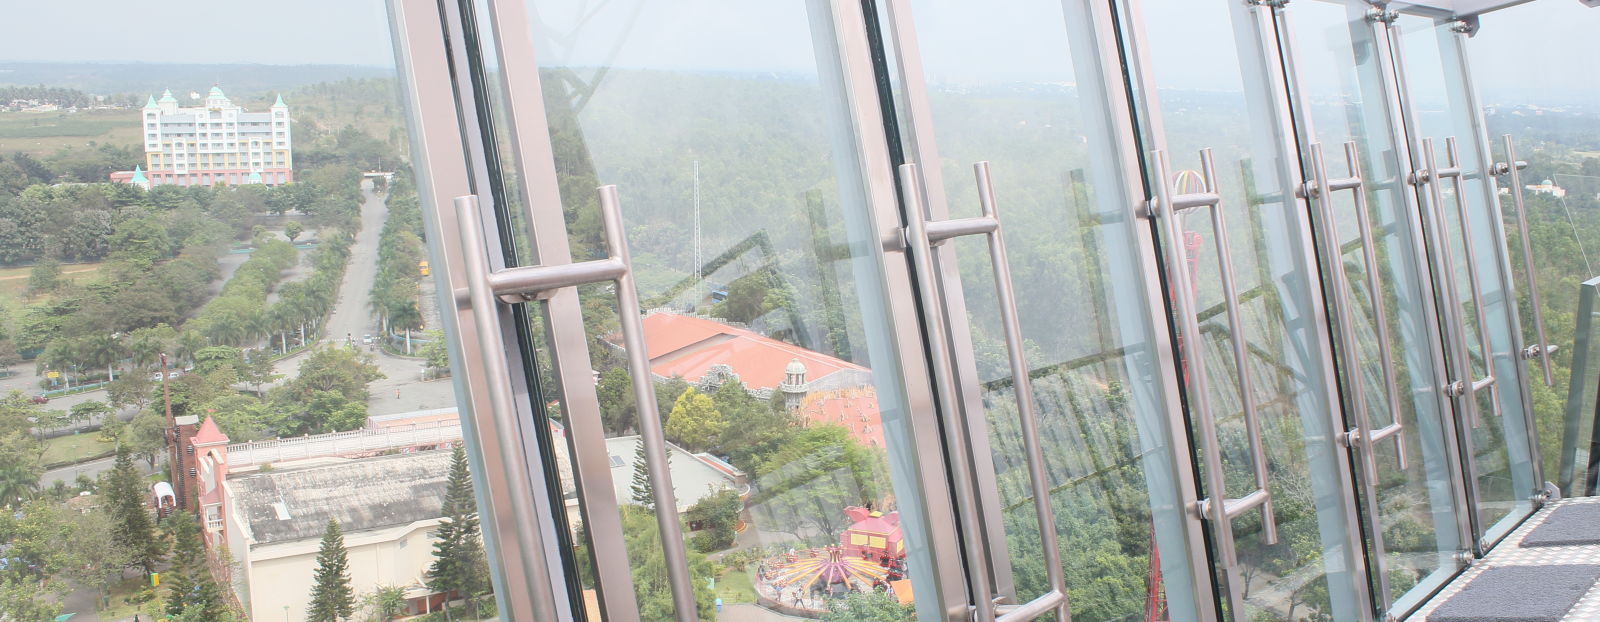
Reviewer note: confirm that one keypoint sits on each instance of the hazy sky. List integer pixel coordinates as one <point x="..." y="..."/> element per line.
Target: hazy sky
<point x="277" y="32"/>
<point x="1543" y="42"/>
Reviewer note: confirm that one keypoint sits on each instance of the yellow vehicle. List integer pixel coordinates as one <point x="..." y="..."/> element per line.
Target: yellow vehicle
<point x="423" y="267"/>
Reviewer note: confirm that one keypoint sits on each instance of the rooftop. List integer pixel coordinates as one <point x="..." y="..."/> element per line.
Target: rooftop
<point x="688" y="346"/>
<point x="288" y="504"/>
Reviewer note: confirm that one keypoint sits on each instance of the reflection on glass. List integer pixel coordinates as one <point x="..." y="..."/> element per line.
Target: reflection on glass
<point x="1440" y="108"/>
<point x="1003" y="87"/>
<point x="1547" y="109"/>
<point x="1214" y="95"/>
<point x="746" y="218"/>
<point x="1335" y="53"/>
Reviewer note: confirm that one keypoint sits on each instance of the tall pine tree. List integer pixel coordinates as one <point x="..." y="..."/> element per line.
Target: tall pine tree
<point x="459" y="562"/>
<point x="643" y="491"/>
<point x="133" y="530"/>
<point x="191" y="589"/>
<point x="332" y="598"/>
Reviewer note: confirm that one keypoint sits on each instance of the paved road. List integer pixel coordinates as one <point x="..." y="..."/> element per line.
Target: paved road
<point x="352" y="316"/>
<point x="93" y="468"/>
<point x="745" y="612"/>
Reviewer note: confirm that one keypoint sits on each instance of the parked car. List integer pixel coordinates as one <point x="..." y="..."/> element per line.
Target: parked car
<point x="40" y="399"/>
<point x="366" y="339"/>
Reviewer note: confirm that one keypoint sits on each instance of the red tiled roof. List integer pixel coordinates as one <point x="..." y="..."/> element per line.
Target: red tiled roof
<point x="208" y="434"/>
<point x="681" y="345"/>
<point x="855" y="409"/>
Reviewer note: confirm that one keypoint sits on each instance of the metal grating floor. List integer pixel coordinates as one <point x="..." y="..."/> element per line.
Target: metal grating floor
<point x="1510" y="552"/>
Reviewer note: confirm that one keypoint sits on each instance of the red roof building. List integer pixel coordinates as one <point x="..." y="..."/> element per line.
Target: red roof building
<point x="688" y="346"/>
<point x="855" y="409"/>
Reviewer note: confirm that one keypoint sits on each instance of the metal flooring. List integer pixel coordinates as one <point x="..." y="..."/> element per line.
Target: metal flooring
<point x="1510" y="552"/>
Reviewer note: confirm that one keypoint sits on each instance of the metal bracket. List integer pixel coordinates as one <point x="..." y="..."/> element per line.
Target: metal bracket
<point x="1547" y="493"/>
<point x="1382" y="16"/>
<point x="1276" y="4"/>
<point x="1455" y="389"/>
<point x="1466" y="25"/>
<point x="1466" y="559"/>
<point x="1536" y="350"/>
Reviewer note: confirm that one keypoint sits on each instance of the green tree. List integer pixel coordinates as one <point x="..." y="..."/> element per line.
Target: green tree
<point x="384" y="602"/>
<point x="331" y="368"/>
<point x="642" y="489"/>
<point x="21" y="466"/>
<point x="45" y="277"/>
<point x="21" y="601"/>
<point x="642" y="539"/>
<point x="435" y="353"/>
<point x="134" y="532"/>
<point x="293" y="230"/>
<point x="88" y="411"/>
<point x="717" y="515"/>
<point x="459" y="563"/>
<point x="695" y="422"/>
<point x="332" y="598"/>
<point x="615" y="392"/>
<point x="188" y="581"/>
<point x="869" y="607"/>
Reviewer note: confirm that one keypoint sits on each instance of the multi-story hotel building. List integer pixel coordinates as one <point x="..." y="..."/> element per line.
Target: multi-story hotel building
<point x="215" y="143"/>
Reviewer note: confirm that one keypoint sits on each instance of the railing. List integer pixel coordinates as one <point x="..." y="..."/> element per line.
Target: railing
<point x="351" y="443"/>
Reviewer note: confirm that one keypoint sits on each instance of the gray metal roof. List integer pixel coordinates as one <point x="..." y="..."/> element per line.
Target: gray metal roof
<point x="288" y="504"/>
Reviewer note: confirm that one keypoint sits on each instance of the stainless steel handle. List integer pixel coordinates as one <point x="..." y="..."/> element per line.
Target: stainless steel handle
<point x="1218" y="507"/>
<point x="527" y="283"/>
<point x="1485" y="346"/>
<point x="502" y="404"/>
<point x="923" y="236"/>
<point x="1512" y="168"/>
<point x="919" y="247"/>
<point x="1322" y="189"/>
<point x="1461" y="385"/>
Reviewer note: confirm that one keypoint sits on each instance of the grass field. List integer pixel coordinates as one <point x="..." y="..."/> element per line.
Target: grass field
<point x="14" y="281"/>
<point x="736" y="587"/>
<point x="75" y="447"/>
<point x="43" y="133"/>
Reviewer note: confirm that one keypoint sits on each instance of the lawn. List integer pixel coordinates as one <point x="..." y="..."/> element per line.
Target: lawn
<point x="737" y="586"/>
<point x="75" y="448"/>
<point x="14" y="281"/>
<point x="43" y="133"/>
<point x="124" y="591"/>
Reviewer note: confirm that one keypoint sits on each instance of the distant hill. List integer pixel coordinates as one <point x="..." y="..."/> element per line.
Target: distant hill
<point x="240" y="81"/>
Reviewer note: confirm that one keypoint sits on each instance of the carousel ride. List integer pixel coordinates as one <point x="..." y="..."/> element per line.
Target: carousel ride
<point x="870" y="556"/>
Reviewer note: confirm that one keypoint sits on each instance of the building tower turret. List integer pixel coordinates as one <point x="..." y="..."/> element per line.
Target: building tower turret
<point x="794" y="384"/>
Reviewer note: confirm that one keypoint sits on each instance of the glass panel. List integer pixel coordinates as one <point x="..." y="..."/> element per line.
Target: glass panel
<point x="725" y="128"/>
<point x="1534" y="88"/>
<point x="1440" y="105"/>
<point x="1336" y="56"/>
<point x="1010" y="85"/>
<point x="248" y="212"/>
<point x="1213" y="93"/>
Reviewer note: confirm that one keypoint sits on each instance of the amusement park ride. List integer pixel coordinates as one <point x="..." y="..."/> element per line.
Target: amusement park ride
<point x="870" y="556"/>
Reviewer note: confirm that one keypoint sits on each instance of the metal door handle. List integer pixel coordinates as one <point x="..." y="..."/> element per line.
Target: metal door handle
<point x="1476" y="289"/>
<point x="528" y="283"/>
<point x="1218" y="507"/>
<point x="1322" y="189"/>
<point x="502" y="419"/>
<point x="1463" y="384"/>
<point x="1512" y="167"/>
<point x="922" y="236"/>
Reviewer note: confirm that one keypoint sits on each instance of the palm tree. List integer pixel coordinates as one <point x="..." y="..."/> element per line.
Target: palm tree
<point x="406" y="317"/>
<point x="102" y="350"/>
